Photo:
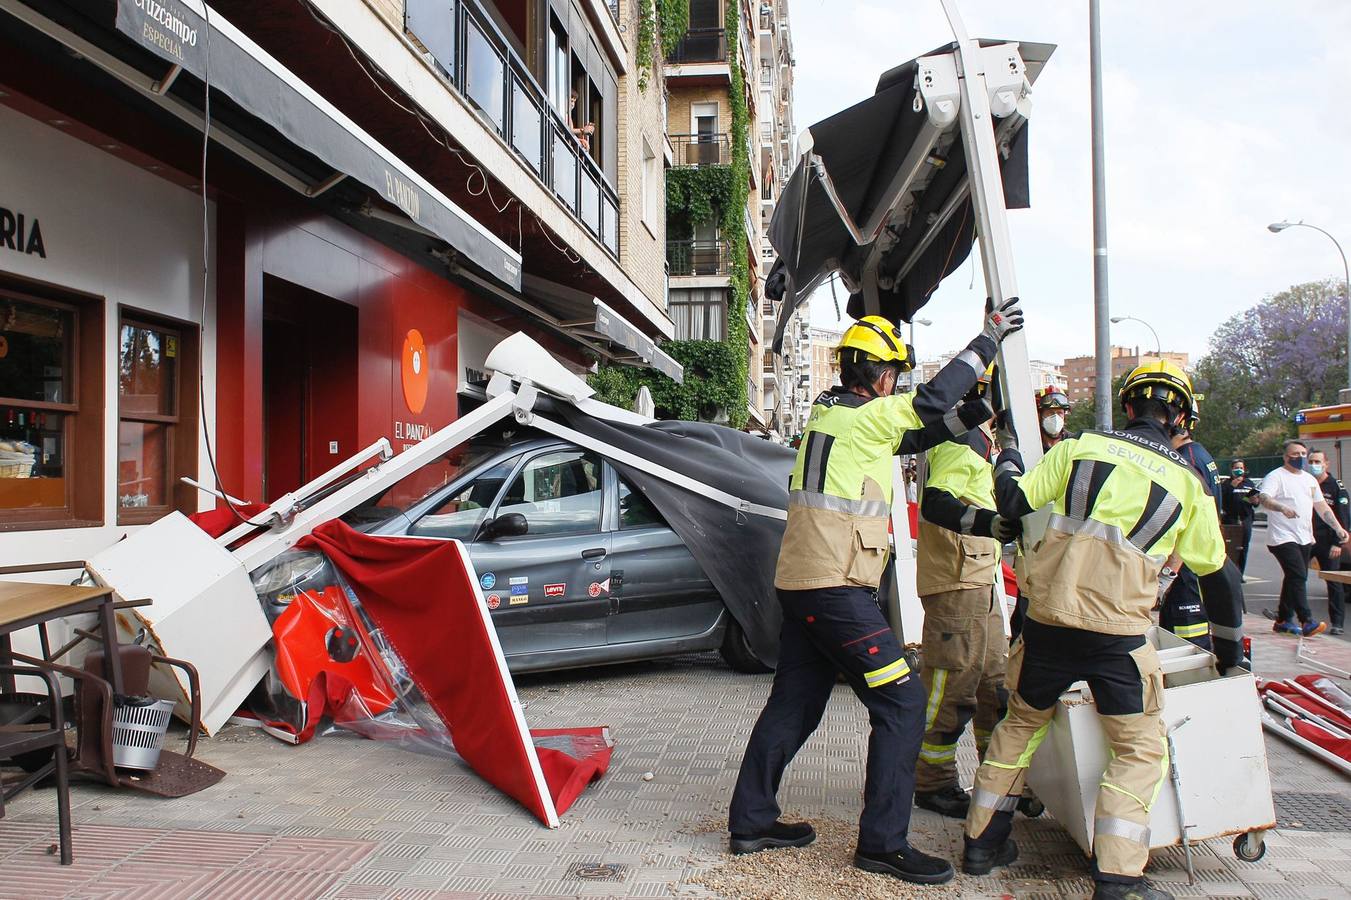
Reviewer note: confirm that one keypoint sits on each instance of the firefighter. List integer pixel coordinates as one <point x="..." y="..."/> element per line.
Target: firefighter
<point x="1183" y="611"/>
<point x="1052" y="409"/>
<point x="960" y="536"/>
<point x="1123" y="502"/>
<point x="833" y="554"/>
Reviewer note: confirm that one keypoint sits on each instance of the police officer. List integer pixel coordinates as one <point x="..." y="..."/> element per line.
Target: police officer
<point x="1123" y="502"/>
<point x="833" y="554"/>
<point x="1183" y="611"/>
<point x="1238" y="506"/>
<point x="1329" y="552"/>
<point x="959" y="541"/>
<point x="1052" y="409"/>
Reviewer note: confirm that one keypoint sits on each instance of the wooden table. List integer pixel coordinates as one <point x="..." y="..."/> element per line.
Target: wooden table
<point x="24" y="604"/>
<point x="1335" y="575"/>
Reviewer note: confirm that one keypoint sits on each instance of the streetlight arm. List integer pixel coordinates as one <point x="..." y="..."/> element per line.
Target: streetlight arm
<point x="1346" y="285"/>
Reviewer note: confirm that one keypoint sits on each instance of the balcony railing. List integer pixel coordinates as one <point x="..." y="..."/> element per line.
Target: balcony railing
<point x="702" y="149"/>
<point x="483" y="68"/>
<point x="684" y="258"/>
<point x="700" y="45"/>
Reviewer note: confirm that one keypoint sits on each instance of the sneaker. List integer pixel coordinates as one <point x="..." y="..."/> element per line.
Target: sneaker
<point x="1336" y="629"/>
<point x="950" y="801"/>
<point x="1283" y="627"/>
<point x="777" y="836"/>
<point x="1309" y="629"/>
<point x="980" y="860"/>
<point x="908" y="865"/>
<point x="1140" y="890"/>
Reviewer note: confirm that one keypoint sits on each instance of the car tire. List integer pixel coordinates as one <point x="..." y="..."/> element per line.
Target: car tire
<point x="737" y="652"/>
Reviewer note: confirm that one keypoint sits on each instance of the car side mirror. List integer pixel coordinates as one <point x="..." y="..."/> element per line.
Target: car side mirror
<point x="505" y="525"/>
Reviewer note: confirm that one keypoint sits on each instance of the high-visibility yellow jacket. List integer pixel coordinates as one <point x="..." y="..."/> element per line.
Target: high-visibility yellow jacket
<point x="1123" y="501"/>
<point x="839" y="498"/>
<point x="955" y="547"/>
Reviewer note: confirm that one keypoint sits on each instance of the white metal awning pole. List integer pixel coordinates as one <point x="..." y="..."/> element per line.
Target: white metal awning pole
<point x="987" y="195"/>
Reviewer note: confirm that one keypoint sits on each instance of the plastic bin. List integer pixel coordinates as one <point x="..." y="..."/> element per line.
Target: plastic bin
<point x="139" y="726"/>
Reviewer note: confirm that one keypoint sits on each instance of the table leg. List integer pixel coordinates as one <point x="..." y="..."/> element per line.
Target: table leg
<point x="112" y="660"/>
<point x="7" y="680"/>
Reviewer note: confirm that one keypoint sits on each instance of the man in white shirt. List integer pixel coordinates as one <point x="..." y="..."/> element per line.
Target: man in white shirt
<point x="1295" y="496"/>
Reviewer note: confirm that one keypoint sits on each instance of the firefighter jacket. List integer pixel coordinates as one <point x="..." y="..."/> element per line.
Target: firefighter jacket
<point x="1123" y="501"/>
<point x="956" y="550"/>
<point x="839" y="499"/>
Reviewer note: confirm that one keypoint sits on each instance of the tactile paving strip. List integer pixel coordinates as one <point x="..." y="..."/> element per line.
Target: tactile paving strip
<point x="1315" y="812"/>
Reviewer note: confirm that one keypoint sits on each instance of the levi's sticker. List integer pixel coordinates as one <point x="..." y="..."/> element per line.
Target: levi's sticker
<point x="555" y="590"/>
<point x="518" y="600"/>
<point x="520" y="590"/>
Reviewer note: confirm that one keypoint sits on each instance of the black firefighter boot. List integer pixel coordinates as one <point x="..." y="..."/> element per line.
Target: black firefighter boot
<point x="777" y="836"/>
<point x="980" y="860"/>
<point x="950" y="801"/>
<point x="1140" y="890"/>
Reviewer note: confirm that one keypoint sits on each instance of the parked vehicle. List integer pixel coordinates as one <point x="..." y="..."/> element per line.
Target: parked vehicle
<point x="576" y="566"/>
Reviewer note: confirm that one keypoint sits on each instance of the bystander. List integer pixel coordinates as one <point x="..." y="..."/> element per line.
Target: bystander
<point x="1238" y="495"/>
<point x="1327" y="549"/>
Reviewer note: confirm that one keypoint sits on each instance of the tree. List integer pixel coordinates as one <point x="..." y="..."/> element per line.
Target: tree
<point x="1266" y="363"/>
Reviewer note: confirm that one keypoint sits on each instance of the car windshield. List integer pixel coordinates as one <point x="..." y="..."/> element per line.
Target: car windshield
<point x="426" y="481"/>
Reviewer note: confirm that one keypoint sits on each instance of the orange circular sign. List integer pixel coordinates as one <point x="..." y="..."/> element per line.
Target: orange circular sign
<point x="416" y="371"/>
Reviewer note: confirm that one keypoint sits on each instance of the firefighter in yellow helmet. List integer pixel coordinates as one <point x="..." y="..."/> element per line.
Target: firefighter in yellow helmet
<point x="1123" y="502"/>
<point x="834" y="551"/>
<point x="959" y="543"/>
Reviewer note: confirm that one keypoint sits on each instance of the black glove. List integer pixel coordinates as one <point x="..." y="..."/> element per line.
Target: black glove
<point x="1005" y="530"/>
<point x="974" y="413"/>
<point x="1004" y="321"/>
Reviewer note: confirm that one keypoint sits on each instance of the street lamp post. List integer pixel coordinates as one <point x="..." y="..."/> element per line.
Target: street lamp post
<point x="1158" y="347"/>
<point x="913" y="323"/>
<point x="1277" y="228"/>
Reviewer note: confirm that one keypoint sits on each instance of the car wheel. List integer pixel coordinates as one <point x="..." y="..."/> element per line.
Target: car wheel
<point x="736" y="650"/>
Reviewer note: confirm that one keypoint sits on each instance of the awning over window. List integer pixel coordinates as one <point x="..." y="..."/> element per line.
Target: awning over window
<point x="190" y="35"/>
<point x="614" y="328"/>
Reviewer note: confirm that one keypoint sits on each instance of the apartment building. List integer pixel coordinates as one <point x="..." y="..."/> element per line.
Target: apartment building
<point x="729" y="121"/>
<point x="392" y="187"/>
<point x="1080" y="372"/>
<point x="825" y="371"/>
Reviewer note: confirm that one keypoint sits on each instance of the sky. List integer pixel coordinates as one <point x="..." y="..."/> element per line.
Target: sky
<point x="1220" y="117"/>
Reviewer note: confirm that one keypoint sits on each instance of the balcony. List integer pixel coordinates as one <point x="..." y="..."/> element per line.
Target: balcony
<point x="484" y="69"/>
<point x="695" y="150"/>
<point x="698" y="258"/>
<point x="700" y="45"/>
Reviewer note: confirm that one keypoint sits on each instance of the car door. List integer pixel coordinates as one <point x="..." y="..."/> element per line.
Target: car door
<point x="548" y="589"/>
<point x="660" y="590"/>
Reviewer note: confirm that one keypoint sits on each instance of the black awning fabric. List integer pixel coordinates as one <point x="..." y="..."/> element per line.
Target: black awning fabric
<point x="861" y="147"/>
<point x="738" y="551"/>
<point x="197" y="38"/>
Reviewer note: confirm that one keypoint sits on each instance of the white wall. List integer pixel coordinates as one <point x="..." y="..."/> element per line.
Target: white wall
<point x="120" y="232"/>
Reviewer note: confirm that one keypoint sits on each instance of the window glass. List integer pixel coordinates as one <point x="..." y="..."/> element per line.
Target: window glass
<point x="147" y="370"/>
<point x="558" y="493"/>
<point x="484" y="74"/>
<point x="36" y="347"/>
<point x="143" y="456"/>
<point x="461" y="513"/>
<point x="147" y="399"/>
<point x="635" y="511"/>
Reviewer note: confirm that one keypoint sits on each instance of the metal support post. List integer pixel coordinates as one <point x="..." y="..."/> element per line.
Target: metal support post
<point x="1102" y="344"/>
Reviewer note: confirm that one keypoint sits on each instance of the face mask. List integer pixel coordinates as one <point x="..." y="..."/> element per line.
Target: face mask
<point x="1053" y="424"/>
<point x="1295" y="462"/>
<point x="1237" y="473"/>
<point x="1316" y="469"/>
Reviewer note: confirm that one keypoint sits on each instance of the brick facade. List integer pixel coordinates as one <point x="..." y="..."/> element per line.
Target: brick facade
<point x="642" y="238"/>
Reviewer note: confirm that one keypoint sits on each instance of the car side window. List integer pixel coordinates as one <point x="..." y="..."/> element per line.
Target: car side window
<point x="558" y="492"/>
<point x="635" y="511"/>
<point x="458" y="516"/>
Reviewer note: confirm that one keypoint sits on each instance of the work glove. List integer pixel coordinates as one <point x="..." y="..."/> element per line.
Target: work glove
<point x="1005" y="530"/>
<point x="1004" y="321"/>
<point x="1166" y="578"/>
<point x="974" y="413"/>
<point x="1003" y="431"/>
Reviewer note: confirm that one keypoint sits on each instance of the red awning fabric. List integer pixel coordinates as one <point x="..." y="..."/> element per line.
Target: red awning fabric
<point x="424" y="596"/>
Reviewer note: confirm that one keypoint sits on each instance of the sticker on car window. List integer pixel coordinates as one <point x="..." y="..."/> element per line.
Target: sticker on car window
<point x="488" y="581"/>
<point x="520" y="590"/>
<point x="517" y="601"/>
<point x="555" y="590"/>
<point x="493" y="601"/>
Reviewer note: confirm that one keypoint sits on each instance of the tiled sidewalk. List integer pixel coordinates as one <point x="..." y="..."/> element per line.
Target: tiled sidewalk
<point x="344" y="817"/>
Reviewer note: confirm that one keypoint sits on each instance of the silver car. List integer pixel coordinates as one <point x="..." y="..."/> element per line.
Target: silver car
<point x="576" y="566"/>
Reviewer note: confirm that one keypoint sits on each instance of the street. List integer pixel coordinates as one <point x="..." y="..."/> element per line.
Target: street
<point x="1262" y="586"/>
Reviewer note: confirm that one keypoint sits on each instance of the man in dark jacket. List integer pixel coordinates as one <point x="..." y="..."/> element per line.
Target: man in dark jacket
<point x="1183" y="611"/>
<point x="1331" y="555"/>
<point x="1238" y="504"/>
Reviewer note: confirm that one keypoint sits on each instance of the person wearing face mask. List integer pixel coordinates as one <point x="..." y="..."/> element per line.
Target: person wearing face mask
<point x="1329" y="552"/>
<point x="1295" y="495"/>
<point x="1238" y="499"/>
<point x="1052" y="408"/>
<point x="831" y="561"/>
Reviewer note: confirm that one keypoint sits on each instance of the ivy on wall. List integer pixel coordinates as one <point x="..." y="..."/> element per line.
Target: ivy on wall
<point x="715" y="371"/>
<point x="670" y="19"/>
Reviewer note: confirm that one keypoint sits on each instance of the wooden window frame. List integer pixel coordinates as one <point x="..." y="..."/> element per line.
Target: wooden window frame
<point x="82" y="433"/>
<point x="180" y="453"/>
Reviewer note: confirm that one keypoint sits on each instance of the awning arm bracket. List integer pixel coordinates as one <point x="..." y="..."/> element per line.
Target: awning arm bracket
<point x="161" y="87"/>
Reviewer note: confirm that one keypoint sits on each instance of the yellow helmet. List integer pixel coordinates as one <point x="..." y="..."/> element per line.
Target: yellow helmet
<point x="1161" y="380"/>
<point x="876" y="339"/>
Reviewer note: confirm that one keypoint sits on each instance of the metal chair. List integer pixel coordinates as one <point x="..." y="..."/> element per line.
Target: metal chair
<point x="24" y="736"/>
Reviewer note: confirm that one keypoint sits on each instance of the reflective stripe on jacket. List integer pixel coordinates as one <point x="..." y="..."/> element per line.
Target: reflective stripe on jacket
<point x="955" y="551"/>
<point x="1123" y="501"/>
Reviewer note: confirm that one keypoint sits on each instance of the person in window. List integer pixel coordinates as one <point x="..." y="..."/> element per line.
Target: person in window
<point x="581" y="132"/>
